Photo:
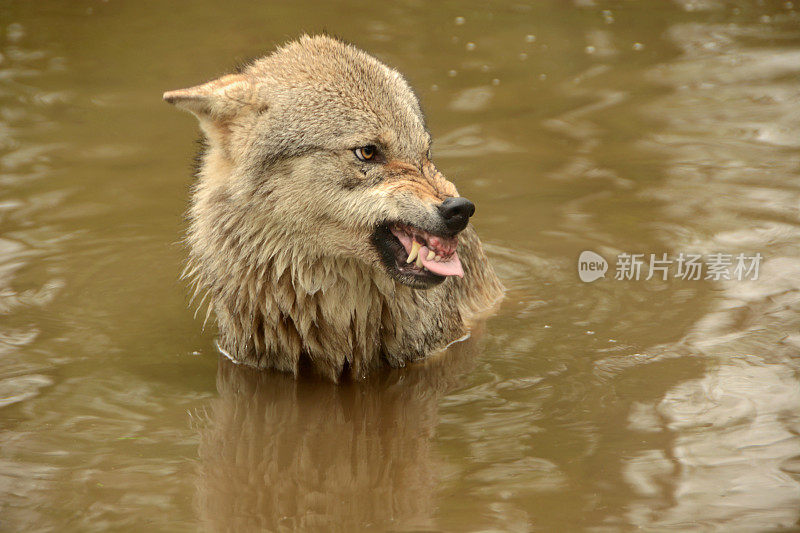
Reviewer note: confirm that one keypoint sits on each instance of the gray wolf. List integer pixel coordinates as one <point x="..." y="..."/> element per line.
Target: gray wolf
<point x="319" y="228"/>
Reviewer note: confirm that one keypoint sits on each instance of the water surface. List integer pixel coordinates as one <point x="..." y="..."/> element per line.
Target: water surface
<point x="651" y="127"/>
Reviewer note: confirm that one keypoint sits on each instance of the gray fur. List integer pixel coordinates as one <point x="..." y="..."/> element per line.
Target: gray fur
<point x="282" y="214"/>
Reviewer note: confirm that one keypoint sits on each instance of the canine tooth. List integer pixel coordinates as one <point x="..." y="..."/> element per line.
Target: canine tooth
<point x="431" y="255"/>
<point x="419" y="262"/>
<point x="414" y="252"/>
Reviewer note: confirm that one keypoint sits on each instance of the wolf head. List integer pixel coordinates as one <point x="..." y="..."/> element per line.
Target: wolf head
<point x="321" y="151"/>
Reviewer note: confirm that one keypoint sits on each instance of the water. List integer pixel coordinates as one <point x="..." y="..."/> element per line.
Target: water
<point x="635" y="127"/>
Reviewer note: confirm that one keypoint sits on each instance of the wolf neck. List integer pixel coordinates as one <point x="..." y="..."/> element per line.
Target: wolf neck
<point x="334" y="313"/>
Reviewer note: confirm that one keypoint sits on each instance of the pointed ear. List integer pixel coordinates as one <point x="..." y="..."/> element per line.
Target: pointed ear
<point x="217" y="99"/>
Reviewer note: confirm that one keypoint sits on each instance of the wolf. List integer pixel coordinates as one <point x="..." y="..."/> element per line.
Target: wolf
<point x="319" y="229"/>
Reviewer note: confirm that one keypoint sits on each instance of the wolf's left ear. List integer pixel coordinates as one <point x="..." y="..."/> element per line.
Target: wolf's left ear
<point x="217" y="99"/>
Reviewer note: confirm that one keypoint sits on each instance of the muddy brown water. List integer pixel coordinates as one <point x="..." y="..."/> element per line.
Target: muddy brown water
<point x="616" y="127"/>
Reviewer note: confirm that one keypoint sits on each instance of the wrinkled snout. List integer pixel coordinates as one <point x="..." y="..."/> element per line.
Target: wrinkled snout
<point x="456" y="212"/>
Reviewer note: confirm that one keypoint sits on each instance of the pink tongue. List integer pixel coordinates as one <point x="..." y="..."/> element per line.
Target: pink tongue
<point x="450" y="267"/>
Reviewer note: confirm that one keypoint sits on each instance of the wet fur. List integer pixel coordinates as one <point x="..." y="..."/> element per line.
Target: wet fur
<point x="282" y="214"/>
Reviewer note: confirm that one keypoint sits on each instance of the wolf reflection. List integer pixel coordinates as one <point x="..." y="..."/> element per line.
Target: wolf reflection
<point x="277" y="453"/>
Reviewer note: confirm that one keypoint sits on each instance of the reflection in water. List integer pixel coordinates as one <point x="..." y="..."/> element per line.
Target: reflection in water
<point x="279" y="453"/>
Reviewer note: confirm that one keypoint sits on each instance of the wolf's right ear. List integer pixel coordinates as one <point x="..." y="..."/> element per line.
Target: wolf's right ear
<point x="217" y="99"/>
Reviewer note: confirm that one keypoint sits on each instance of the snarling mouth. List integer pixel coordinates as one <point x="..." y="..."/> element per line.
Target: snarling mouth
<point x="416" y="257"/>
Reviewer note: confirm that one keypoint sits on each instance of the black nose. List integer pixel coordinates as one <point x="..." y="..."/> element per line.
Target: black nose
<point x="456" y="213"/>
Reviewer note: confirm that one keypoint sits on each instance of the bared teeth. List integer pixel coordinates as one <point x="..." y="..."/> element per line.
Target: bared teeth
<point x="415" y="246"/>
<point x="439" y="249"/>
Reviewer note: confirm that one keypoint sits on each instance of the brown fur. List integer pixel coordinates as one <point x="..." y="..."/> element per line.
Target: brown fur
<point x="282" y="214"/>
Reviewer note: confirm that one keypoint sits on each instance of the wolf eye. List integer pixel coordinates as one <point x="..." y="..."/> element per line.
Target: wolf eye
<point x="366" y="153"/>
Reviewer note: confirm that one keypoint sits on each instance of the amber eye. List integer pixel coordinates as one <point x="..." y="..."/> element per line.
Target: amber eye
<point x="365" y="153"/>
